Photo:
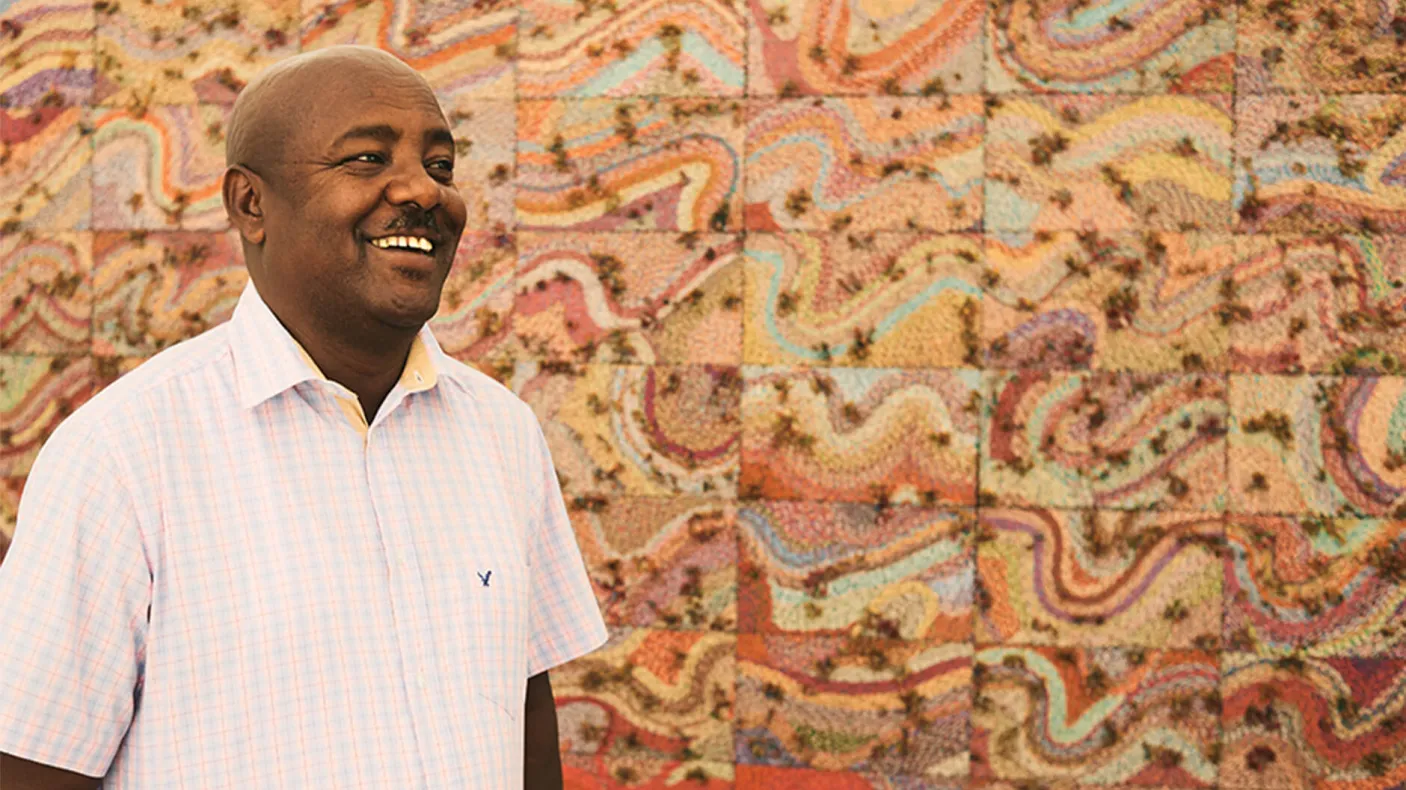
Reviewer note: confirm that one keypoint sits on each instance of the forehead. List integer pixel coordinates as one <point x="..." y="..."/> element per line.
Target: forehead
<point x="365" y="97"/>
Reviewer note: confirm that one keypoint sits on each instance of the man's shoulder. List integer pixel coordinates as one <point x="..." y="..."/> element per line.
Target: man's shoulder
<point x="487" y="390"/>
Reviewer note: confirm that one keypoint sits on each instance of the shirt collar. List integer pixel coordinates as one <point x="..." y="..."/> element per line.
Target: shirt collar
<point x="268" y="360"/>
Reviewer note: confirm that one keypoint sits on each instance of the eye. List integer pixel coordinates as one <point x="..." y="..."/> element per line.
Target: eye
<point x="370" y="157"/>
<point x="444" y="166"/>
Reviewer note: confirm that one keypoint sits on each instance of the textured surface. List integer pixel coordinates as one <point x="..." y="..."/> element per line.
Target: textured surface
<point x="979" y="394"/>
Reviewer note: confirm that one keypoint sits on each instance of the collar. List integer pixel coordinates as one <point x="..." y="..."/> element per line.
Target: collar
<point x="268" y="360"/>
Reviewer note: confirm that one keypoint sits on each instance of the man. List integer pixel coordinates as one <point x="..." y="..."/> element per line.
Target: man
<point x="305" y="549"/>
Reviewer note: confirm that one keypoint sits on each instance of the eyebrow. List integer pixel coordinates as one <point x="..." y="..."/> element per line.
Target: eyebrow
<point x="385" y="133"/>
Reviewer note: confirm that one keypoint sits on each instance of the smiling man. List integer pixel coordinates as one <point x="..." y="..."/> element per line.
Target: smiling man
<point x="306" y="548"/>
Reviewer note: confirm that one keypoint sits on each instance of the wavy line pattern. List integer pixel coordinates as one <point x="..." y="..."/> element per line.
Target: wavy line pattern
<point x="1167" y="46"/>
<point x="1098" y="716"/>
<point x="1121" y="301"/>
<point x="856" y="704"/>
<point x="45" y="183"/>
<point x="53" y="53"/>
<point x="853" y="435"/>
<point x="46" y="283"/>
<point x="824" y="47"/>
<point x="820" y="299"/>
<point x="771" y="777"/>
<point x="1069" y="440"/>
<point x="865" y="164"/>
<point x="1098" y="578"/>
<point x="153" y="291"/>
<point x="36" y="394"/>
<point x="814" y="569"/>
<point x="160" y="170"/>
<point x="1353" y="50"/>
<point x="1109" y="163"/>
<point x="1317" y="444"/>
<point x="1329" y="723"/>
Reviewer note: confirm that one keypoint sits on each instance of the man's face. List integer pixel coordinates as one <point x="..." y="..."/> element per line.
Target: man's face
<point x="372" y="160"/>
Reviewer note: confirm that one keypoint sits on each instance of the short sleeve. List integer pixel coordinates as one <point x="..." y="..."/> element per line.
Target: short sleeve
<point x="565" y="621"/>
<point x="75" y="592"/>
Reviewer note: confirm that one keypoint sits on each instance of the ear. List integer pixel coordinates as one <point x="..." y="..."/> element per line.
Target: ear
<point x="243" y="197"/>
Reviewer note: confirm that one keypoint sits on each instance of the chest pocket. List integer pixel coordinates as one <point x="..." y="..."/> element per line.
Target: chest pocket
<point x="495" y="616"/>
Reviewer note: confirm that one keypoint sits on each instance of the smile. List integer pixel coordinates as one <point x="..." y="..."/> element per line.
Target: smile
<point x="416" y="243"/>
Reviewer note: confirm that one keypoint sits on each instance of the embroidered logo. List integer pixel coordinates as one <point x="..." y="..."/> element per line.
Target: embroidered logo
<point x="483" y="577"/>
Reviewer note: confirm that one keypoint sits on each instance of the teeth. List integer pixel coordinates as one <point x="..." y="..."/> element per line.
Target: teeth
<point x="407" y="242"/>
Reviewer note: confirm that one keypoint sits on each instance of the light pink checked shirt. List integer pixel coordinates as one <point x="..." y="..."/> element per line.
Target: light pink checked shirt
<point x="218" y="581"/>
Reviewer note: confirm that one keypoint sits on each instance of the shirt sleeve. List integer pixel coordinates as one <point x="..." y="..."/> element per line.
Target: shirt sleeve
<point x="565" y="620"/>
<point x="75" y="591"/>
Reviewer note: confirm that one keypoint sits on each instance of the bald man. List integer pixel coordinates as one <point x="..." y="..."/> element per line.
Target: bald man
<point x="306" y="549"/>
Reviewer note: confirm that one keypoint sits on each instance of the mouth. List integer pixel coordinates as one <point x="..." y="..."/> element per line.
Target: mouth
<point x="415" y="253"/>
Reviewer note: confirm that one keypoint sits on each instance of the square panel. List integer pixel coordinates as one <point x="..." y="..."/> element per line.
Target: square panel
<point x="826" y="569"/>
<point x="835" y="47"/>
<point x="463" y="48"/>
<point x="1108" y="163"/>
<point x="159" y="168"/>
<point x="1099" y="578"/>
<point x="474" y="322"/>
<point x="629" y="297"/>
<point x="46" y="292"/>
<point x="1107" y="440"/>
<point x="46" y="161"/>
<point x="630" y="165"/>
<point x="864" y="164"/>
<point x="37" y="392"/>
<point x="1315" y="586"/>
<point x="1317" y="445"/>
<point x="899" y="300"/>
<point x="661" y="562"/>
<point x="485" y="136"/>
<point x="857" y="703"/>
<point x="1319" y="47"/>
<point x="1318" y="163"/>
<point x="1320" y="723"/>
<point x="46" y="53"/>
<point x="180" y="51"/>
<point x="1144" y="46"/>
<point x="651" y="694"/>
<point x="1332" y="303"/>
<point x="1098" y="716"/>
<point x="633" y="48"/>
<point x="636" y="430"/>
<point x="860" y="435"/>
<point x="1123" y="301"/>
<point x="153" y="290"/>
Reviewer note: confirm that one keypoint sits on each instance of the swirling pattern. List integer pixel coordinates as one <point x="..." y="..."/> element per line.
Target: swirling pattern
<point x="1320" y="304"/>
<point x="865" y="164"/>
<point x="662" y="562"/>
<point x="859" y="704"/>
<point x="1109" y="163"/>
<point x="817" y="568"/>
<point x="1122" y="301"/>
<point x="825" y="47"/>
<point x="850" y="434"/>
<point x="159" y="170"/>
<point x="1321" y="723"/>
<point x="651" y="693"/>
<point x="1319" y="163"/>
<point x="1099" y="578"/>
<point x="1152" y="46"/>
<point x="771" y="777"/>
<point x="151" y="291"/>
<point x="597" y="164"/>
<point x="52" y="52"/>
<point x="903" y="300"/>
<point x="1317" y="444"/>
<point x="627" y="772"/>
<point x="1057" y="439"/>
<point x="633" y="48"/>
<point x="1319" y="586"/>
<point x="1296" y="48"/>
<point x="45" y="178"/>
<point x="154" y="53"/>
<point x="642" y="298"/>
<point x="1100" y="716"/>
<point x="36" y="394"/>
<point x="46" y="294"/>
<point x="463" y="48"/>
<point x="650" y="431"/>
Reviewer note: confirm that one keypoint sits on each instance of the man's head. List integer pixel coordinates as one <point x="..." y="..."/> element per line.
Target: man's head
<point x="332" y="154"/>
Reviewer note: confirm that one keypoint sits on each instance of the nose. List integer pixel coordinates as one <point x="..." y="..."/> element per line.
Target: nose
<point x="411" y="184"/>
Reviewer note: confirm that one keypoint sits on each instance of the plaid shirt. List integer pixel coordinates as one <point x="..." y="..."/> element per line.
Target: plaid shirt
<point x="222" y="577"/>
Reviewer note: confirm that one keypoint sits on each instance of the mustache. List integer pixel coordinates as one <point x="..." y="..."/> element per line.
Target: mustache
<point x="416" y="219"/>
